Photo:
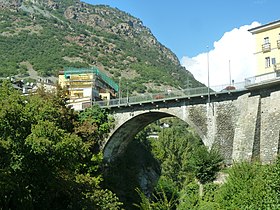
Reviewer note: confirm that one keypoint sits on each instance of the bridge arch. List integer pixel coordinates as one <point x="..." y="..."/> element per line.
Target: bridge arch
<point x="241" y="125"/>
<point x="128" y="125"/>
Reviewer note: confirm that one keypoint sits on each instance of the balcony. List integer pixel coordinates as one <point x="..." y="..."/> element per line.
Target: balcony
<point x="266" y="47"/>
<point x="276" y="66"/>
<point x="278" y="44"/>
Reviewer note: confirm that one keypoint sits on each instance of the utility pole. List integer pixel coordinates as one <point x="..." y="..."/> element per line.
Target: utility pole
<point x="229" y="73"/>
<point x="127" y="92"/>
<point x="120" y="90"/>
<point x="208" y="75"/>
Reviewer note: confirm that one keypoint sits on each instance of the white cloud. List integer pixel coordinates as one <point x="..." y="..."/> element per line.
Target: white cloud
<point x="233" y="51"/>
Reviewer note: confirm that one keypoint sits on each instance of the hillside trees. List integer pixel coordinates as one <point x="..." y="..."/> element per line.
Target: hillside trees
<point x="184" y="161"/>
<point x="45" y="162"/>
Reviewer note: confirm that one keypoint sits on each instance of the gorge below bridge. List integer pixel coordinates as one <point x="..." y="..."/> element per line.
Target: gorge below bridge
<point x="244" y="124"/>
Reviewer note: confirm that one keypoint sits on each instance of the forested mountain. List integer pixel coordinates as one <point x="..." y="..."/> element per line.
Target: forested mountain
<point x="47" y="35"/>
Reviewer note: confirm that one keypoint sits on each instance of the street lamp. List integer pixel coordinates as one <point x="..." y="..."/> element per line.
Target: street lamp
<point x="127" y="92"/>
<point x="208" y="75"/>
<point x="229" y="73"/>
<point x="120" y="89"/>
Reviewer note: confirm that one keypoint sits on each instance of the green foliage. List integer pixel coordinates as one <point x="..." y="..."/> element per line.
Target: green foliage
<point x="160" y="200"/>
<point x="44" y="164"/>
<point x="184" y="160"/>
<point x="122" y="177"/>
<point x="186" y="163"/>
<point x="188" y="170"/>
<point x="167" y="190"/>
<point x="189" y="196"/>
<point x="209" y="192"/>
<point x="163" y="201"/>
<point x="273" y="181"/>
<point x="251" y="186"/>
<point x="106" y="200"/>
<point x="205" y="164"/>
<point x="145" y="203"/>
<point x="94" y="124"/>
<point x="182" y="155"/>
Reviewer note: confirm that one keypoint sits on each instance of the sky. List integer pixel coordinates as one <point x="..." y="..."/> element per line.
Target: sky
<point x="202" y="32"/>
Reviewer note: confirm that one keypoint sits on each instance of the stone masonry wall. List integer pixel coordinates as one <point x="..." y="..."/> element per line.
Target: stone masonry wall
<point x="270" y="127"/>
<point x="244" y="128"/>
<point x="225" y="115"/>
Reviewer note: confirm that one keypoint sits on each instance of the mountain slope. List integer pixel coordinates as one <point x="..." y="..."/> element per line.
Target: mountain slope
<point x="46" y="35"/>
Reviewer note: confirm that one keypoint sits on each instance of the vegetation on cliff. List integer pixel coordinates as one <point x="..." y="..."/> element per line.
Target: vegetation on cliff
<point x="45" y="36"/>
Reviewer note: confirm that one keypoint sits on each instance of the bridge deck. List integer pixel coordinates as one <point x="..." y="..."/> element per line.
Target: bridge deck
<point x="256" y="82"/>
<point x="170" y="96"/>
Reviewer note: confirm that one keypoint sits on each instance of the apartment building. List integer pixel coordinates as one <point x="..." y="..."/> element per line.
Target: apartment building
<point x="84" y="85"/>
<point x="267" y="47"/>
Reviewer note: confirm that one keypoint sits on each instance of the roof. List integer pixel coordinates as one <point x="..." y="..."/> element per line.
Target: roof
<point x="71" y="70"/>
<point x="268" y="26"/>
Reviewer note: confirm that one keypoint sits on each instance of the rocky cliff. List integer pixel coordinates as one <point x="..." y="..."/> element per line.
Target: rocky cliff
<point x="50" y="34"/>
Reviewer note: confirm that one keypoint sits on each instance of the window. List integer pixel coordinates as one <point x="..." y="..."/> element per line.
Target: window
<point x="273" y="61"/>
<point x="267" y="62"/>
<point x="266" y="40"/>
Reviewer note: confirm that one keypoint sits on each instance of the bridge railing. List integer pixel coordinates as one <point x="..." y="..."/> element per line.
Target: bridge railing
<point x="169" y="95"/>
<point x="262" y="78"/>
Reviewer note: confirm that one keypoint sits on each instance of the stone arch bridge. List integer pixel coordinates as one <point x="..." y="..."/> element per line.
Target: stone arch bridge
<point x="243" y="125"/>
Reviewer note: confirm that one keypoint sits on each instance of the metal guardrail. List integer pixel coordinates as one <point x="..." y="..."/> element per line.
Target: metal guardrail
<point x="171" y="95"/>
<point x="186" y="93"/>
<point x="262" y="78"/>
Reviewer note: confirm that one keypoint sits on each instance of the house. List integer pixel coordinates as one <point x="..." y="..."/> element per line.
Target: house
<point x="267" y="48"/>
<point x="84" y="85"/>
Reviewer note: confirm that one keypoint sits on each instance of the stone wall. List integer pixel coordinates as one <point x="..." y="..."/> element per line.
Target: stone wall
<point x="242" y="128"/>
<point x="270" y="127"/>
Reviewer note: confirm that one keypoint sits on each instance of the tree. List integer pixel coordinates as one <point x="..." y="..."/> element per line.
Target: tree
<point x="44" y="164"/>
<point x="183" y="155"/>
<point x="93" y="125"/>
<point x="204" y="164"/>
<point x="184" y="161"/>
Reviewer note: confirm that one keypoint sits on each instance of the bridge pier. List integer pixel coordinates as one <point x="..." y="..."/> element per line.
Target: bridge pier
<point x="247" y="130"/>
<point x="270" y="127"/>
<point x="211" y="126"/>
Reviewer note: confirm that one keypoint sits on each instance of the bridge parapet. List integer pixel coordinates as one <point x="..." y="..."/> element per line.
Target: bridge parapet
<point x="171" y="95"/>
<point x="262" y="80"/>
